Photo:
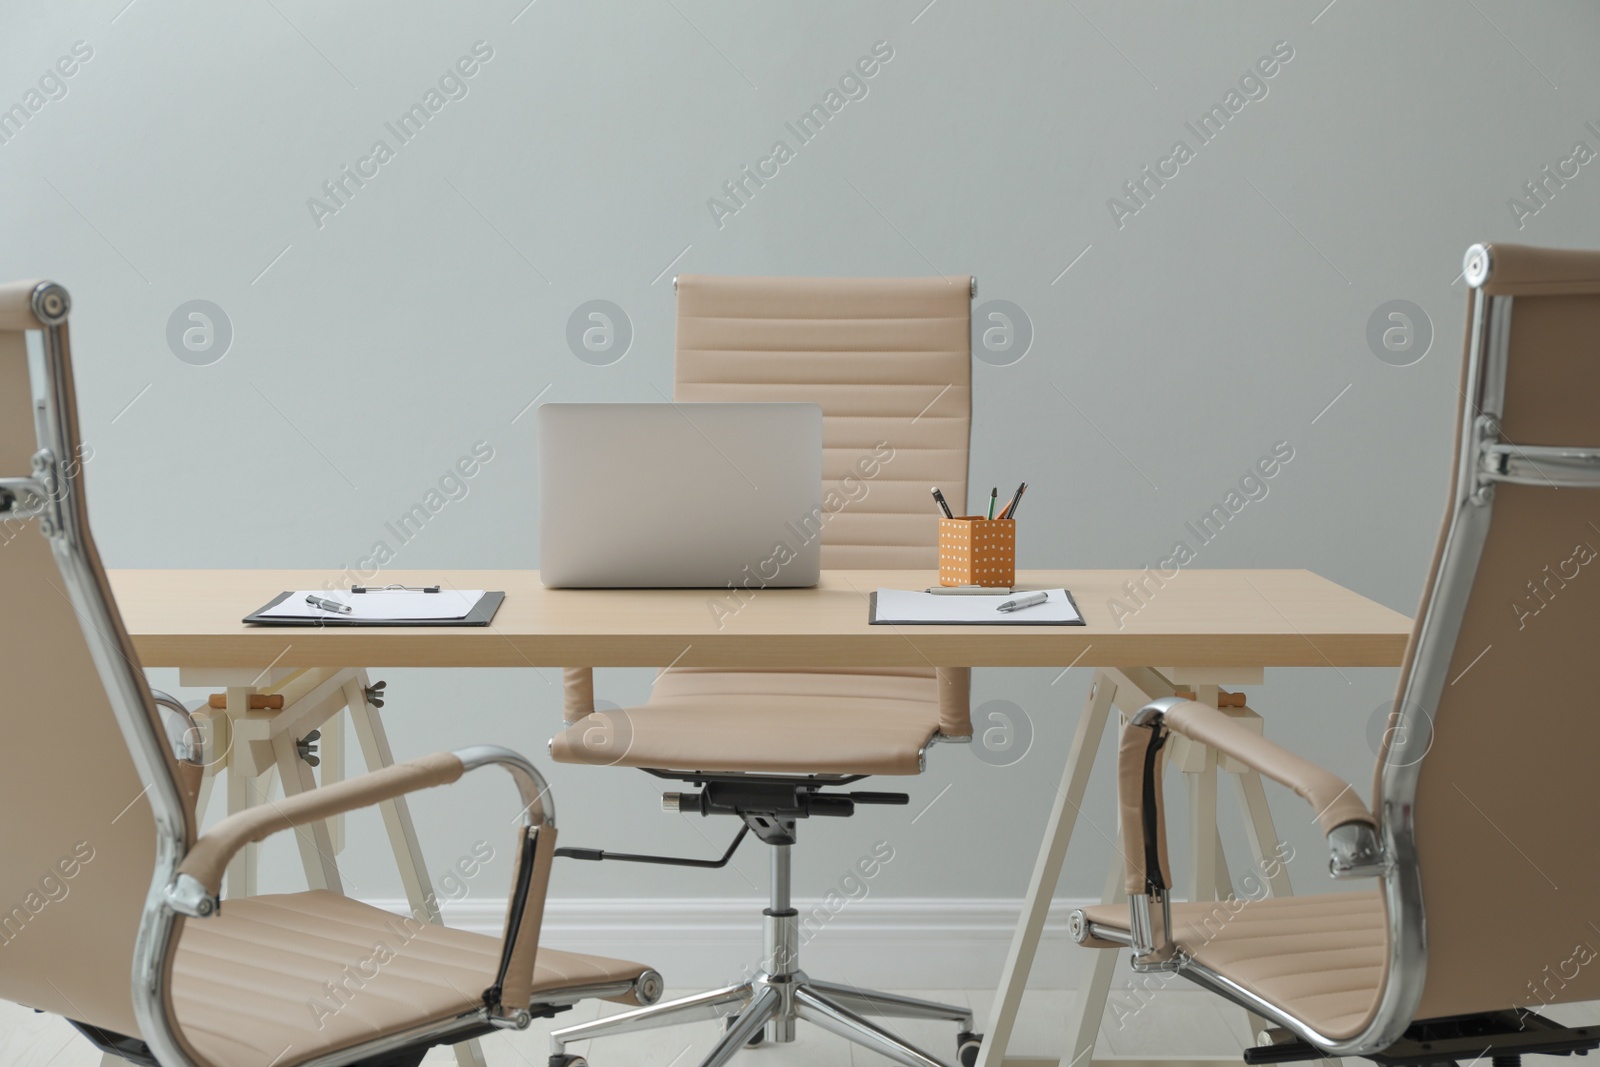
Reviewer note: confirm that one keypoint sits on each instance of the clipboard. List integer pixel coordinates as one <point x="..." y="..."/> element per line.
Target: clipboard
<point x="954" y="606"/>
<point x="481" y="614"/>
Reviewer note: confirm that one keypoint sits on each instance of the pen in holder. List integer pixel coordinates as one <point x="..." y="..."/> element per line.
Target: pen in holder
<point x="974" y="550"/>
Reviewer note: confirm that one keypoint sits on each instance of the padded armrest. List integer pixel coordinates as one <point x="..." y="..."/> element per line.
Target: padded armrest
<point x="209" y="857"/>
<point x="577" y="693"/>
<point x="206" y="862"/>
<point x="1140" y="822"/>
<point x="1144" y="845"/>
<point x="955" y="701"/>
<point x="1335" y="800"/>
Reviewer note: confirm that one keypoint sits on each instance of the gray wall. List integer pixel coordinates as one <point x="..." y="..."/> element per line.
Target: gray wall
<point x="1171" y="346"/>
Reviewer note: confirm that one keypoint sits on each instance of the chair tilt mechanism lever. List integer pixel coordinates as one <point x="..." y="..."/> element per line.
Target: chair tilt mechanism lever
<point x="780" y="800"/>
<point x="767" y="807"/>
<point x="771" y="806"/>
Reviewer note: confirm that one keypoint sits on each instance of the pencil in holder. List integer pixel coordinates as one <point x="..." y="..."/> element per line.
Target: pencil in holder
<point x="974" y="550"/>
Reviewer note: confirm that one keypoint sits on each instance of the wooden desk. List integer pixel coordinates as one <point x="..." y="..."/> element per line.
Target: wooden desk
<point x="1200" y="629"/>
<point x="1200" y="618"/>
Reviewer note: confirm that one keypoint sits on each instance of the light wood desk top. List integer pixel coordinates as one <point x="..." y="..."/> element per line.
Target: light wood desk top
<point x="190" y="618"/>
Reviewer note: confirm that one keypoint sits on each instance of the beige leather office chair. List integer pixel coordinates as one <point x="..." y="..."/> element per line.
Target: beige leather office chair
<point x="109" y="909"/>
<point x="888" y="360"/>
<point x="1486" y="803"/>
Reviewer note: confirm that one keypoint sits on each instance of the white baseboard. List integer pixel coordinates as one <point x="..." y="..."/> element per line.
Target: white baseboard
<point x="904" y="943"/>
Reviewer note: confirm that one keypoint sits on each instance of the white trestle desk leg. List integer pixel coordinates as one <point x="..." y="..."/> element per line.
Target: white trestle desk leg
<point x="1210" y="878"/>
<point x="333" y="771"/>
<point x="316" y="844"/>
<point x="1258" y="823"/>
<point x="1224" y="890"/>
<point x="260" y="745"/>
<point x="1047" y="871"/>
<point x="1201" y="880"/>
<point x="1263" y="834"/>
<point x="470" y="1054"/>
<point x="1084" y="1022"/>
<point x="1271" y="874"/>
<point x="375" y="752"/>
<point x="243" y="790"/>
<point x="217" y="737"/>
<point x="1198" y="764"/>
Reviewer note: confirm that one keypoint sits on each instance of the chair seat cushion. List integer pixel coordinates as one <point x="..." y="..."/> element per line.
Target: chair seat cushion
<point x="1319" y="958"/>
<point x="770" y="722"/>
<point x="279" y="979"/>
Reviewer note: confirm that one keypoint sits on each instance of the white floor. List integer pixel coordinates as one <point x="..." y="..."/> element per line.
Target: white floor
<point x="1184" y="1024"/>
<point x="1180" y="1024"/>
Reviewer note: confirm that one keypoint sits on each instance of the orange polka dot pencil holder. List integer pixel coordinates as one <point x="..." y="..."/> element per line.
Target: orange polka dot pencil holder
<point x="974" y="550"/>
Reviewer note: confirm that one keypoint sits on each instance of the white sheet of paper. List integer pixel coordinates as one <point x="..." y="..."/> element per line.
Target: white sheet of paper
<point x="913" y="606"/>
<point x="392" y="606"/>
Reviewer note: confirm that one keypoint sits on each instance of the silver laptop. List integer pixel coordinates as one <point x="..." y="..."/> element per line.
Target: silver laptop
<point x="679" y="495"/>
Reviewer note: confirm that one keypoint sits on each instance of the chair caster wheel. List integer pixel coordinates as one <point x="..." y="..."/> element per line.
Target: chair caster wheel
<point x="758" y="1038"/>
<point x="560" y="1060"/>
<point x="968" y="1044"/>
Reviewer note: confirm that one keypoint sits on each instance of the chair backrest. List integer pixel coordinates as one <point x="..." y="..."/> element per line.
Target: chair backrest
<point x="83" y="824"/>
<point x="1492" y="814"/>
<point x="887" y="359"/>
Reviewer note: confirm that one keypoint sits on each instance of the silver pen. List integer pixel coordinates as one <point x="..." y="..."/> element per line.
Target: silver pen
<point x="1030" y="601"/>
<point x="329" y="605"/>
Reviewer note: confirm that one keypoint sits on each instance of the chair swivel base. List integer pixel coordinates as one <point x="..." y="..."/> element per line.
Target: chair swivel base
<point x="772" y="1003"/>
<point x="769" y="1003"/>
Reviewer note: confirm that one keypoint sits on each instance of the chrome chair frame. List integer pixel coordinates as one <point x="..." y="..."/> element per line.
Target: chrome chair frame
<point x="53" y="496"/>
<point x="1355" y="852"/>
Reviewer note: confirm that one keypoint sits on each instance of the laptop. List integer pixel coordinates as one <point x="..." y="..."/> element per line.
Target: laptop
<point x="680" y="495"/>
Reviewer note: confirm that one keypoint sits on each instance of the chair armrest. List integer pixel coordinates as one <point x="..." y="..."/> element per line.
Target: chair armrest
<point x="1140" y="808"/>
<point x="209" y="857"/>
<point x="1335" y="800"/>
<point x="190" y="748"/>
<point x="1141" y="821"/>
<point x="1342" y="814"/>
<point x="955" y="702"/>
<point x="195" y="884"/>
<point x="577" y="693"/>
